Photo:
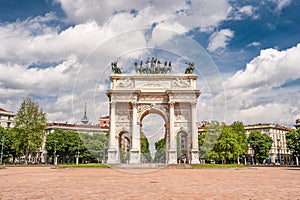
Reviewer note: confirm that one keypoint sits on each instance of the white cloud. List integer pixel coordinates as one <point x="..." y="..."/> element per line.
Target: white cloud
<point x="203" y="14"/>
<point x="247" y="10"/>
<point x="254" y="44"/>
<point x="240" y="13"/>
<point x="272" y="68"/>
<point x="282" y="4"/>
<point x="37" y="41"/>
<point x="261" y="92"/>
<point x="219" y="40"/>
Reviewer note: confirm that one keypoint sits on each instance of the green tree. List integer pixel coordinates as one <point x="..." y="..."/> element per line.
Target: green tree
<point x="261" y="144"/>
<point x="208" y="140"/>
<point x="6" y="141"/>
<point x="239" y="130"/>
<point x="68" y="144"/>
<point x="64" y="144"/>
<point x="160" y="154"/>
<point x="96" y="146"/>
<point x="293" y="143"/>
<point x="146" y="155"/>
<point x="227" y="145"/>
<point x="29" y="129"/>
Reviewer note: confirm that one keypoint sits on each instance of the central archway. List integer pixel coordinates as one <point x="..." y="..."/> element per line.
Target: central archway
<point x="171" y="96"/>
<point x="153" y="131"/>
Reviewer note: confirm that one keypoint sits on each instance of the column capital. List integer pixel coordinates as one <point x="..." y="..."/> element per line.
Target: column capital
<point x="134" y="103"/>
<point x="194" y="103"/>
<point x="113" y="103"/>
<point x="171" y="103"/>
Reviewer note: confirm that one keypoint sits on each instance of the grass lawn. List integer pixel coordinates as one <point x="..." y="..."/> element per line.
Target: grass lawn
<point x="217" y="166"/>
<point x="89" y="165"/>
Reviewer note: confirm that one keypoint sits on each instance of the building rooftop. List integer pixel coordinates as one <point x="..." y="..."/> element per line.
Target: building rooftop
<point x="5" y="112"/>
<point x="267" y="125"/>
<point x="75" y="127"/>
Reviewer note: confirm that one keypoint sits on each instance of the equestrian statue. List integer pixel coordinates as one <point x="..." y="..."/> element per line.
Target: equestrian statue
<point x="190" y="68"/>
<point x="115" y="68"/>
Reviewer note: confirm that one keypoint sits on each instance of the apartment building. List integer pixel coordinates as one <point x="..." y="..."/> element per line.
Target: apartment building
<point x="6" y="118"/>
<point x="279" y="152"/>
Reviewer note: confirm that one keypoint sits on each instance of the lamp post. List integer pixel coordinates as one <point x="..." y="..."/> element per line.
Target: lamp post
<point x="55" y="159"/>
<point x="2" y="150"/>
<point x="252" y="153"/>
<point x="45" y="157"/>
<point x="77" y="156"/>
<point x="278" y="149"/>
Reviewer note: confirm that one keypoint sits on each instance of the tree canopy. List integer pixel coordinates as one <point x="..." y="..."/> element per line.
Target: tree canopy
<point x="293" y="142"/>
<point x="160" y="154"/>
<point x="145" y="151"/>
<point x="29" y="129"/>
<point x="224" y="143"/>
<point x="6" y="141"/>
<point x="68" y="144"/>
<point x="239" y="130"/>
<point x="261" y="145"/>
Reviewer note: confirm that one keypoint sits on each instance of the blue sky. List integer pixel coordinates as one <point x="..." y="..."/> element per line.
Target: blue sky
<point x="254" y="45"/>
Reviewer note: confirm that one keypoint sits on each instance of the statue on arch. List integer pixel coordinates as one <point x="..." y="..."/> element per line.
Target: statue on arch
<point x="190" y="68"/>
<point x="115" y="68"/>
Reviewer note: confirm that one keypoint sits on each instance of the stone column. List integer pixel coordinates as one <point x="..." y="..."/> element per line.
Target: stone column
<point x="112" y="150"/>
<point x="195" y="149"/>
<point x="172" y="158"/>
<point x="135" y="156"/>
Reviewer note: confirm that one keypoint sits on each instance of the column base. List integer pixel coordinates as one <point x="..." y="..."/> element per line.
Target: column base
<point x="112" y="156"/>
<point x="195" y="156"/>
<point x="172" y="156"/>
<point x="134" y="156"/>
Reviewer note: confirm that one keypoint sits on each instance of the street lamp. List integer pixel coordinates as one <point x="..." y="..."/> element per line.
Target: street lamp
<point x="252" y="153"/>
<point x="2" y="150"/>
<point x="278" y="149"/>
<point x="77" y="157"/>
<point x="55" y="159"/>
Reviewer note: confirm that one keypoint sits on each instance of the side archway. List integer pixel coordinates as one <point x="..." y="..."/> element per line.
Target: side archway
<point x="183" y="147"/>
<point x="124" y="144"/>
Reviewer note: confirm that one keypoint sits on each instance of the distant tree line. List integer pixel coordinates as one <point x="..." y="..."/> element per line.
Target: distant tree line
<point x="218" y="142"/>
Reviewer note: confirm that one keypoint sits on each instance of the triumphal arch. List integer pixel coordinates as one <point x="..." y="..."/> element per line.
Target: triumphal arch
<point x="153" y="88"/>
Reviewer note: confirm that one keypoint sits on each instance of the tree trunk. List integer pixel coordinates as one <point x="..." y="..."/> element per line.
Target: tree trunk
<point x="297" y="160"/>
<point x="27" y="155"/>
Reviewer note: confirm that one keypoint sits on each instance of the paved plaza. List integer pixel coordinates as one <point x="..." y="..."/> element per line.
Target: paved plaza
<point x="97" y="183"/>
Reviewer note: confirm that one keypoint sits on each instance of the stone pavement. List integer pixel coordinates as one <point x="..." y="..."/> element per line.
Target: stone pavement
<point x="96" y="183"/>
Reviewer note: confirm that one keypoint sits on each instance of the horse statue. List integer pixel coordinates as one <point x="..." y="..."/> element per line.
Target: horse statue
<point x="190" y="68"/>
<point x="115" y="68"/>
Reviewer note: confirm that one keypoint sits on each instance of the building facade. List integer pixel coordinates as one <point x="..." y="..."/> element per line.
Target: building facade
<point x="279" y="152"/>
<point x="6" y="118"/>
<point x="104" y="122"/>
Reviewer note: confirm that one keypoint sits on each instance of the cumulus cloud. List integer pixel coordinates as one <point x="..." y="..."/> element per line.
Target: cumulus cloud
<point x="254" y="44"/>
<point x="265" y="91"/>
<point x="219" y="40"/>
<point x="203" y="14"/>
<point x="18" y="44"/>
<point x="49" y="84"/>
<point x="271" y="68"/>
<point x="26" y="46"/>
<point x="282" y="4"/>
<point x="239" y="13"/>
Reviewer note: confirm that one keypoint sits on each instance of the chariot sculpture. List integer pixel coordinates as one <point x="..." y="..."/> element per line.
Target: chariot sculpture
<point x="153" y="66"/>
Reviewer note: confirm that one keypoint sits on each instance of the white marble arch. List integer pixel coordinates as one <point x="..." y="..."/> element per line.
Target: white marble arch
<point x="134" y="96"/>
